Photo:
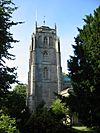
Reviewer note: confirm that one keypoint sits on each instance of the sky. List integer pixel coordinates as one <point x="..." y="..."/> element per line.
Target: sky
<point x="67" y="14"/>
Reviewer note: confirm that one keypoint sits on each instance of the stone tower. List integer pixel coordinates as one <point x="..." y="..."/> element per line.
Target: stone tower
<point x="45" y="73"/>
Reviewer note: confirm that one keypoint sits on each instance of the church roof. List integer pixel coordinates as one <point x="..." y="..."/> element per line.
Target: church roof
<point x="45" y="29"/>
<point x="66" y="78"/>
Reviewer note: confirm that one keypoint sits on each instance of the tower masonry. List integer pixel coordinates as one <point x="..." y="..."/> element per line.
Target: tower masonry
<point x="45" y="72"/>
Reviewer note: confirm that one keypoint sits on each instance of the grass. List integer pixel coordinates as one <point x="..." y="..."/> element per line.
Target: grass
<point x="83" y="129"/>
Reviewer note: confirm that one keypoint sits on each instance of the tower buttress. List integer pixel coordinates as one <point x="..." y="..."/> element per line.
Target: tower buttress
<point x="59" y="69"/>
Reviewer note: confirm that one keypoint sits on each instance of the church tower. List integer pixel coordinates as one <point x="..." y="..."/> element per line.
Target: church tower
<point x="45" y="73"/>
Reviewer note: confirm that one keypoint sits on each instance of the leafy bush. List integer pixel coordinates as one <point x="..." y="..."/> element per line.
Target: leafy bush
<point x="7" y="124"/>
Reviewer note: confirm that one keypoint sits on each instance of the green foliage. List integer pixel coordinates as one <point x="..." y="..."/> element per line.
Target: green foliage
<point x="7" y="124"/>
<point x="59" y="110"/>
<point x="11" y="102"/>
<point x="21" y="90"/>
<point x="16" y="100"/>
<point x="57" y="106"/>
<point x="84" y="70"/>
<point x="7" y="75"/>
<point x="15" y="105"/>
<point x="44" y="121"/>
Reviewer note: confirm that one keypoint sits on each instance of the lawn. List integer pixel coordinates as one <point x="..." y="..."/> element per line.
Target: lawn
<point x="83" y="129"/>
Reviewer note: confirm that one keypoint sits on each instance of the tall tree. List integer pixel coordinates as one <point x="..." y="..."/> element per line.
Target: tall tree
<point x="84" y="70"/>
<point x="7" y="75"/>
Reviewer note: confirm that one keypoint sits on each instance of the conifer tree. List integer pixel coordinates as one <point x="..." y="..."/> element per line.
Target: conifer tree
<point x="84" y="70"/>
<point x="7" y="75"/>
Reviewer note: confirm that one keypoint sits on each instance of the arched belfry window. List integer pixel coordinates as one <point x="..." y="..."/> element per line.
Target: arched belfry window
<point x="45" y="41"/>
<point x="50" y="41"/>
<point x="45" y="73"/>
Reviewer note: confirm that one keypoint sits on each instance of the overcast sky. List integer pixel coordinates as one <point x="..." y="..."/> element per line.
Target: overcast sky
<point x="67" y="14"/>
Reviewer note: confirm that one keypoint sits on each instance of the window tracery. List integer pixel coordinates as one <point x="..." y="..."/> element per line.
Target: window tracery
<point x="45" y="73"/>
<point x="45" y="41"/>
<point x="50" y="41"/>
